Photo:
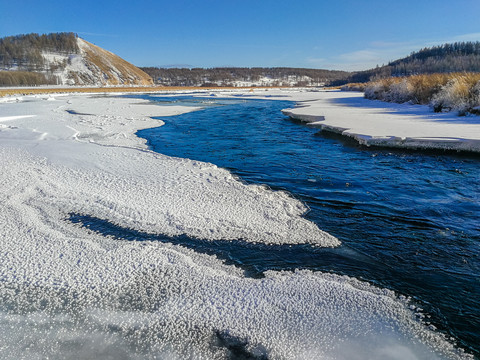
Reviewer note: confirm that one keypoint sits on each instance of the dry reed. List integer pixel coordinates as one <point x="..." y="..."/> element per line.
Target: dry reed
<point x="443" y="92"/>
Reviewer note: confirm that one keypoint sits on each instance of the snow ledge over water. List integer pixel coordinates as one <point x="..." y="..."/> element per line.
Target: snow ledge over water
<point x="377" y="123"/>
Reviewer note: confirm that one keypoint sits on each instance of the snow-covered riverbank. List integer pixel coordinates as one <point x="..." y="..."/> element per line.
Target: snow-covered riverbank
<point x="160" y="194"/>
<point x="377" y="123"/>
<point x="66" y="291"/>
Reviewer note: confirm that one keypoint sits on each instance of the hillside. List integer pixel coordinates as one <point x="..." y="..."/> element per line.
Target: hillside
<point x="63" y="59"/>
<point x="447" y="58"/>
<point x="236" y="76"/>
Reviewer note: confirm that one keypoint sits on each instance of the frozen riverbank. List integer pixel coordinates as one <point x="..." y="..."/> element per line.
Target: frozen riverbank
<point x="377" y="123"/>
<point x="67" y="291"/>
<point x="147" y="191"/>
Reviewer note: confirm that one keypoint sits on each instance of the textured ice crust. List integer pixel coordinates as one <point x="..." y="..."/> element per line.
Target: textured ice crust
<point x="124" y="183"/>
<point x="67" y="292"/>
<point x="92" y="297"/>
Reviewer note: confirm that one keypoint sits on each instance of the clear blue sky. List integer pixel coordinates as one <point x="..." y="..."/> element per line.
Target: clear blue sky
<point x="331" y="34"/>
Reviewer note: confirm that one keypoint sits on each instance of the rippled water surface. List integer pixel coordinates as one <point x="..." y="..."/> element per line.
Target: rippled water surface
<point x="408" y="221"/>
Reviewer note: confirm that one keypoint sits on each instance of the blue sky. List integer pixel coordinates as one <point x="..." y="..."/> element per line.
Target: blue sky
<point x="333" y="34"/>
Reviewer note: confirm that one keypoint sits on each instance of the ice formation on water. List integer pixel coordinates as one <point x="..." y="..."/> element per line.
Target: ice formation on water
<point x="67" y="292"/>
<point x="377" y="123"/>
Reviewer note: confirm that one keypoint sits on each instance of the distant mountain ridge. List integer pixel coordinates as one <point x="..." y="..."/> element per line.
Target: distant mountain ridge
<point x="63" y="59"/>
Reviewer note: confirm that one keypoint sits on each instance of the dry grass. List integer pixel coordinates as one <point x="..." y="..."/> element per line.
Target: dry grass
<point x="353" y="87"/>
<point x="444" y="92"/>
<point x="423" y="87"/>
<point x="22" y="78"/>
<point x="119" y="89"/>
<point x="418" y="89"/>
<point x="106" y="61"/>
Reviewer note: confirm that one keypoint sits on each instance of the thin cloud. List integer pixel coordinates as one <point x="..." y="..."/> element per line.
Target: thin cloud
<point x="366" y="55"/>
<point x="387" y="44"/>
<point x="467" y="37"/>
<point x="376" y="53"/>
<point x="315" y="61"/>
<point x="172" y="66"/>
<point x="382" y="52"/>
<point x="96" y="34"/>
<point x="367" y="58"/>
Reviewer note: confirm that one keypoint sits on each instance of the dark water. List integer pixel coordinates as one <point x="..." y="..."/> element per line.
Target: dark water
<point x="408" y="221"/>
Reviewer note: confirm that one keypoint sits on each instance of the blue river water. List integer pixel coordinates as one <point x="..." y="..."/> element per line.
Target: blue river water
<point x="408" y="221"/>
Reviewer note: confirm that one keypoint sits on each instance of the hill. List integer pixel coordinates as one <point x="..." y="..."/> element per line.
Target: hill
<point x="63" y="59"/>
<point x="447" y="58"/>
<point x="237" y="76"/>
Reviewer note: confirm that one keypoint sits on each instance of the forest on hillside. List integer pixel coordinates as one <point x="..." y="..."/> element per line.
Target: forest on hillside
<point x="24" y="52"/>
<point x="22" y="62"/>
<point x="446" y="58"/>
<point x="227" y="76"/>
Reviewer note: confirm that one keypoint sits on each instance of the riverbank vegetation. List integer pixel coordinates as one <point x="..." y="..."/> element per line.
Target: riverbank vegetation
<point x="443" y="92"/>
<point x="110" y="89"/>
<point x="25" y="78"/>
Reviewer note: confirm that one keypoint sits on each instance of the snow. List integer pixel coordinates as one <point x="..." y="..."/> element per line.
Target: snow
<point x="54" y="58"/>
<point x="378" y="123"/>
<point x="8" y="118"/>
<point x="223" y="207"/>
<point x="91" y="66"/>
<point x="268" y="81"/>
<point x="66" y="291"/>
<point x="66" y="65"/>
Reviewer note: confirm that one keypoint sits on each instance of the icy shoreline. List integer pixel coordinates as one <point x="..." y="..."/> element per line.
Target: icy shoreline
<point x="79" y="124"/>
<point x="377" y="123"/>
<point x="66" y="291"/>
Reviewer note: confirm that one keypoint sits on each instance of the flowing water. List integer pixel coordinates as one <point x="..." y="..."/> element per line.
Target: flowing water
<point x="408" y="221"/>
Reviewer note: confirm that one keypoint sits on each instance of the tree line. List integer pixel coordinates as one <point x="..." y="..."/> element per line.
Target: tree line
<point x="24" y="52"/>
<point x="26" y="78"/>
<point x="227" y="76"/>
<point x="446" y="58"/>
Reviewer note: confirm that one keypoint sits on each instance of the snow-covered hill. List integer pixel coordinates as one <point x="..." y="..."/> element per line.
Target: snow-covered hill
<point x="93" y="66"/>
<point x="66" y="59"/>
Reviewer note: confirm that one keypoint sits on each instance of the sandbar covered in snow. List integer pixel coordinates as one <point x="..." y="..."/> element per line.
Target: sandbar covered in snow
<point x="66" y="291"/>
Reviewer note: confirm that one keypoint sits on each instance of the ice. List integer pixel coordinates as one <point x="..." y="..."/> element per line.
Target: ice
<point x="131" y="299"/>
<point x="8" y="118"/>
<point x="386" y="124"/>
<point x="66" y="291"/>
<point x="96" y="168"/>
